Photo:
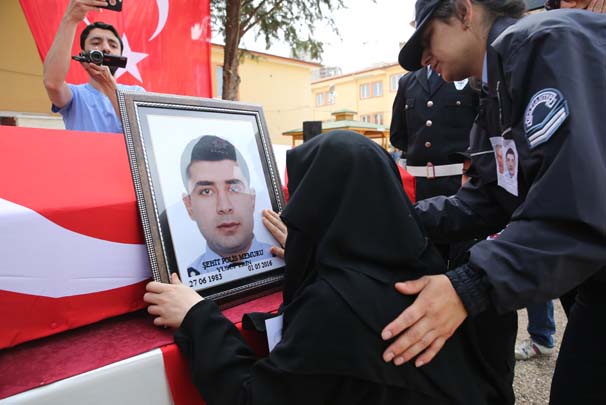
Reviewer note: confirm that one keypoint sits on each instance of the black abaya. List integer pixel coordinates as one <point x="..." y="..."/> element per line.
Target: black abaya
<point x="351" y="235"/>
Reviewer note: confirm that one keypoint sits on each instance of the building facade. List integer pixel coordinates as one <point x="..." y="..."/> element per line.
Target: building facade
<point x="281" y="85"/>
<point x="369" y="92"/>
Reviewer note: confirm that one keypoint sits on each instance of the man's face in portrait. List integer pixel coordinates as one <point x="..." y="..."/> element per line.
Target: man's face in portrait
<point x="222" y="203"/>
<point x="510" y="159"/>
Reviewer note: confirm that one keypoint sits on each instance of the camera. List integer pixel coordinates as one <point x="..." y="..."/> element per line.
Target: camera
<point x="99" y="58"/>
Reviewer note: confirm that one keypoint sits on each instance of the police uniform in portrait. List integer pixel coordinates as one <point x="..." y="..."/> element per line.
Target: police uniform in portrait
<point x="546" y="96"/>
<point x="431" y="119"/>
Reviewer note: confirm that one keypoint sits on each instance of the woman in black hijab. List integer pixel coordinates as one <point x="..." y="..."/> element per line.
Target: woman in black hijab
<point x="351" y="235"/>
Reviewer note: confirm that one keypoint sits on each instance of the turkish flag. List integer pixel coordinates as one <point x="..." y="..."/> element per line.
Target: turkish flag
<point x="167" y="42"/>
<point x="71" y="245"/>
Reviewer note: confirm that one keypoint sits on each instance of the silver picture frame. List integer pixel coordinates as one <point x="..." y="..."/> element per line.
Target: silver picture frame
<point x="196" y="220"/>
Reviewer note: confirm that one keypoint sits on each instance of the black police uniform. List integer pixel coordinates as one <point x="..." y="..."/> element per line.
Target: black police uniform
<point x="432" y="119"/>
<point x="547" y="92"/>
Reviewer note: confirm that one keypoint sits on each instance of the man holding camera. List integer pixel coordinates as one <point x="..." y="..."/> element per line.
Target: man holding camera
<point x="92" y="106"/>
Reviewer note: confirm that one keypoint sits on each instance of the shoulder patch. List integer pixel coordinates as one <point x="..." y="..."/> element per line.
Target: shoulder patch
<point x="545" y="113"/>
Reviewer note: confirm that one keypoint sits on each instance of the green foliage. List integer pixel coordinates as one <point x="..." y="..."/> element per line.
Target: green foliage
<point x="292" y="21"/>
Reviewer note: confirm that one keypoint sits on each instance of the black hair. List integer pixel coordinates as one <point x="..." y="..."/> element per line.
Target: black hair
<point x="494" y="9"/>
<point x="510" y="152"/>
<point x="103" y="26"/>
<point x="552" y="4"/>
<point x="210" y="148"/>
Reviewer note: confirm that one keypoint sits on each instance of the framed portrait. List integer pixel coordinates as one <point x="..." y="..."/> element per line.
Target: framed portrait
<point x="203" y="171"/>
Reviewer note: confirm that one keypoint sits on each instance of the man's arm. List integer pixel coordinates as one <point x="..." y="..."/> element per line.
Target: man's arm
<point x="56" y="64"/>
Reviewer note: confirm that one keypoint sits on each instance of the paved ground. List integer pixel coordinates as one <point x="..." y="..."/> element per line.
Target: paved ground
<point x="533" y="377"/>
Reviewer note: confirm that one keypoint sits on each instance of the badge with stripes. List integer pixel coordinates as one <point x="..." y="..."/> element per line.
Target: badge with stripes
<point x="545" y="113"/>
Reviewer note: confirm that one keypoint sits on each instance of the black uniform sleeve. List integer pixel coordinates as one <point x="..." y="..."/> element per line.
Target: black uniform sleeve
<point x="398" y="131"/>
<point x="557" y="236"/>
<point x="469" y="214"/>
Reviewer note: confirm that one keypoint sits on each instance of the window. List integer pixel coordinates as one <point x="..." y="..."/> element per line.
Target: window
<point x="331" y="95"/>
<point x="374" y="89"/>
<point x="319" y="99"/>
<point x="375" y="118"/>
<point x="364" y="90"/>
<point x="219" y="81"/>
<point x="393" y="81"/>
<point x="325" y="98"/>
<point x="331" y="98"/>
<point x="377" y="89"/>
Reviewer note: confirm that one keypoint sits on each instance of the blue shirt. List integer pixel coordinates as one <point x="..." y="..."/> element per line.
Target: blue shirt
<point x="91" y="110"/>
<point x="210" y="260"/>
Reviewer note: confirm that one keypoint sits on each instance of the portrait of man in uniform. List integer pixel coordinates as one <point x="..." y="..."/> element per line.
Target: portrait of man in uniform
<point x="220" y="200"/>
<point x="510" y="160"/>
<point x="204" y="172"/>
<point x="506" y="158"/>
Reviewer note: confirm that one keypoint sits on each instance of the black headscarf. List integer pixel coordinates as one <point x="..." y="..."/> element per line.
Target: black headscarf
<point x="351" y="227"/>
<point x="346" y="196"/>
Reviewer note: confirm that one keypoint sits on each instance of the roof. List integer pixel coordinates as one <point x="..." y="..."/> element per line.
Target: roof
<point x="299" y="61"/>
<point x="381" y="67"/>
<point x="330" y="125"/>
<point x="344" y="111"/>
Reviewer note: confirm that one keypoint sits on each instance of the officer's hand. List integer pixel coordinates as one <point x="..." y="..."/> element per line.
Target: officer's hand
<point x="425" y="326"/>
<point x="597" y="6"/>
<point x="277" y="228"/>
<point x="103" y="76"/>
<point x="77" y="9"/>
<point x="169" y="303"/>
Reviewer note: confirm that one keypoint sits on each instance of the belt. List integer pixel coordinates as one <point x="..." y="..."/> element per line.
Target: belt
<point x="431" y="172"/>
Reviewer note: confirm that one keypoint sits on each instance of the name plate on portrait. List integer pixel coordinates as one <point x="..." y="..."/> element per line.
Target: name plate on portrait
<point x="203" y="172"/>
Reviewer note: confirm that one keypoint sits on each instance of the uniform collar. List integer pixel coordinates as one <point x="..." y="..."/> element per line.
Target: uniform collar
<point x="485" y="71"/>
<point x="490" y="61"/>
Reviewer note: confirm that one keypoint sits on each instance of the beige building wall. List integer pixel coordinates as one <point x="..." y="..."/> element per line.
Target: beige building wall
<point x="348" y="93"/>
<point x="20" y="64"/>
<point x="280" y="85"/>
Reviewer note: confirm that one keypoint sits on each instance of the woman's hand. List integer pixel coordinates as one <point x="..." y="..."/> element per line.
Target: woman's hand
<point x="277" y="228"/>
<point x="169" y="303"/>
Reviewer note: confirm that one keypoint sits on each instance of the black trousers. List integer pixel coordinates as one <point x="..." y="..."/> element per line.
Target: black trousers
<point x="567" y="300"/>
<point x="580" y="374"/>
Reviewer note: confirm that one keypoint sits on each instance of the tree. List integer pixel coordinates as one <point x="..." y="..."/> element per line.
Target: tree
<point x="289" y="20"/>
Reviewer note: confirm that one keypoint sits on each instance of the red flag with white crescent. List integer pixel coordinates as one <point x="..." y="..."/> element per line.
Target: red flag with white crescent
<point x="71" y="245"/>
<point x="167" y="42"/>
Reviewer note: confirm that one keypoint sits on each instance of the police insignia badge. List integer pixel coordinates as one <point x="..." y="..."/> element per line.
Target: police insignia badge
<point x="545" y="113"/>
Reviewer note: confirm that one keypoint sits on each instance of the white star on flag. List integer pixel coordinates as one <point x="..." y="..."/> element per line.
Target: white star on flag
<point x="133" y="59"/>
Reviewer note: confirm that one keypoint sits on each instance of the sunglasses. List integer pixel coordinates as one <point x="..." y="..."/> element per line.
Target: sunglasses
<point x="552" y="4"/>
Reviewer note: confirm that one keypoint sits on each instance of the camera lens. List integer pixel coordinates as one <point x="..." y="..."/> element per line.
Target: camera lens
<point x="96" y="57"/>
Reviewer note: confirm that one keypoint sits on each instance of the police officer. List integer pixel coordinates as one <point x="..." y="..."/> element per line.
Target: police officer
<point x="432" y="119"/>
<point x="546" y="91"/>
